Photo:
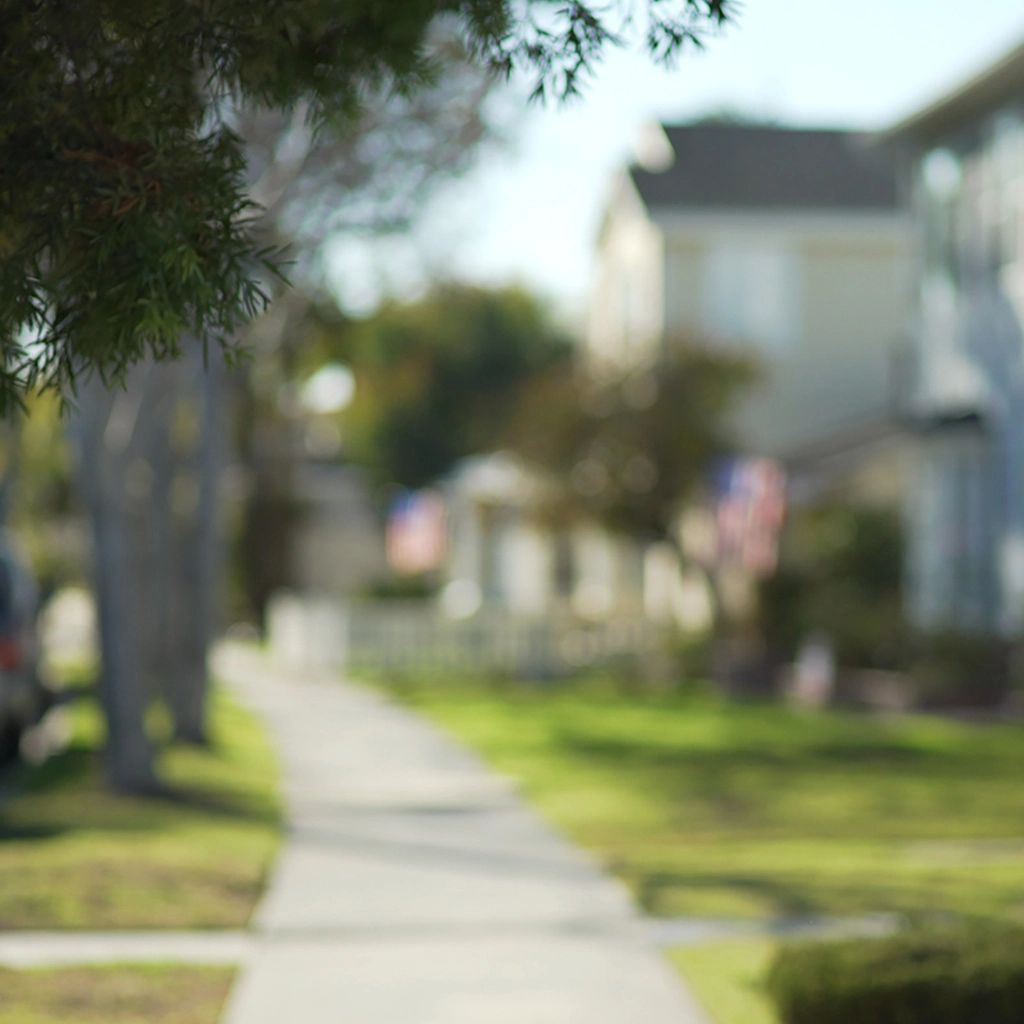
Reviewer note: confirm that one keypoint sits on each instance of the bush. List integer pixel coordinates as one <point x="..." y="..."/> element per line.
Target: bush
<point x="961" y="669"/>
<point x="957" y="975"/>
<point x="840" y="575"/>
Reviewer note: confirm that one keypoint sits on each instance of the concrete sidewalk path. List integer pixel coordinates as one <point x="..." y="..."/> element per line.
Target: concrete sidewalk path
<point x="414" y="887"/>
<point x="77" y="949"/>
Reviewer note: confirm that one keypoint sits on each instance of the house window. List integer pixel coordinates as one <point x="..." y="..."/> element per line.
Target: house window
<point x="942" y="178"/>
<point x="752" y="294"/>
<point x="1008" y="146"/>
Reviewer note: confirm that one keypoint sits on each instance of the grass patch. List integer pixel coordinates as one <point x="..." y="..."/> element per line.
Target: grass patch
<point x="713" y="808"/>
<point x="114" y="995"/>
<point x="75" y="855"/>
<point x="728" y="977"/>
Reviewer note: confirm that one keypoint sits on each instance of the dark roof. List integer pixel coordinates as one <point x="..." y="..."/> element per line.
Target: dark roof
<point x="997" y="85"/>
<point x="756" y="167"/>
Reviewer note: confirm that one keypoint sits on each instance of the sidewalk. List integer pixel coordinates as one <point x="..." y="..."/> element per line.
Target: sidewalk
<point x="21" y="950"/>
<point x="415" y="888"/>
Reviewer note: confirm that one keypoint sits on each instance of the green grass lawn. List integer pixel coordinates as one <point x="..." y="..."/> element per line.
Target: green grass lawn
<point x="74" y="855"/>
<point x="727" y="978"/>
<point x="710" y="808"/>
<point x="114" y="995"/>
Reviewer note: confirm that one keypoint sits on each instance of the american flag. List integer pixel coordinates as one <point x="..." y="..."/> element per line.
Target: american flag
<point x="750" y="506"/>
<point x="416" y="538"/>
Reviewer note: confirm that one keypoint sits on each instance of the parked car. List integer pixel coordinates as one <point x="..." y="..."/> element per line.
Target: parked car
<point x="22" y="696"/>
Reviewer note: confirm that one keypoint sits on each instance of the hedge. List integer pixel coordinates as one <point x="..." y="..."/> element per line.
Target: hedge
<point x="969" y="974"/>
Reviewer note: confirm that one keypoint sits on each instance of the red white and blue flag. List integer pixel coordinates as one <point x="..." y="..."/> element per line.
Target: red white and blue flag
<point x="416" y="538"/>
<point x="750" y="507"/>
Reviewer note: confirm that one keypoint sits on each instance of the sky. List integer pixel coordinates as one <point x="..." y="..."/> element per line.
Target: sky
<point x="529" y="210"/>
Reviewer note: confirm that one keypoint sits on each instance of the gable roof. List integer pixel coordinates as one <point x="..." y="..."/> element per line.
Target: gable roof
<point x="721" y="166"/>
<point x="997" y="85"/>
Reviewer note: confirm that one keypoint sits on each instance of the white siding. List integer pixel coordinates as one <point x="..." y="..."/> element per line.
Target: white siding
<point x="752" y="294"/>
<point x="819" y="300"/>
<point x="627" y="311"/>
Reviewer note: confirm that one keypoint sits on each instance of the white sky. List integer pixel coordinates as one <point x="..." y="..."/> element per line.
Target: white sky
<point x="529" y="211"/>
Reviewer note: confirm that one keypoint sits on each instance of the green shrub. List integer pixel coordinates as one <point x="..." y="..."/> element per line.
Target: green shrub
<point x="957" y="975"/>
<point x="840" y="575"/>
<point x="954" y="669"/>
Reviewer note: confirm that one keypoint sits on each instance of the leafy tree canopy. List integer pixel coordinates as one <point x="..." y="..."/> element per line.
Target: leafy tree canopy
<point x="124" y="213"/>
<point x="442" y="378"/>
<point x="632" y="449"/>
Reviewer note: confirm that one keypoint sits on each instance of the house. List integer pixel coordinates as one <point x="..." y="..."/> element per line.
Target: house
<point x="506" y="553"/>
<point x="789" y="244"/>
<point x="964" y="164"/>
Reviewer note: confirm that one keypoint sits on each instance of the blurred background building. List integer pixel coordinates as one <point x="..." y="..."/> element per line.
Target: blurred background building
<point x="965" y="169"/>
<point x="791" y="244"/>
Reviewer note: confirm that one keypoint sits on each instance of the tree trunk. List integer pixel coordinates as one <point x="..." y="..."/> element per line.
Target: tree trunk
<point x="105" y="428"/>
<point x="197" y="561"/>
<point x="150" y="460"/>
<point x="151" y="533"/>
<point x="123" y="691"/>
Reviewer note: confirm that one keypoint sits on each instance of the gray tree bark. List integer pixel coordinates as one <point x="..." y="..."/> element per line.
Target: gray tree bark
<point x="197" y="545"/>
<point x="150" y="459"/>
<point x="107" y="439"/>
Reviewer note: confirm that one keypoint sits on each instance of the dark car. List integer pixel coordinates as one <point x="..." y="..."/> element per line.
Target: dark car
<point x="22" y="698"/>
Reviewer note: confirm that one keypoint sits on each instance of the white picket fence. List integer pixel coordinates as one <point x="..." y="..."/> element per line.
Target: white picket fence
<point x="405" y="636"/>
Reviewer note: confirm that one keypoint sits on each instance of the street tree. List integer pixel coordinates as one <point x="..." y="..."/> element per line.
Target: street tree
<point x="126" y="224"/>
<point x="152" y="451"/>
<point x="633" y="447"/>
<point x="441" y="377"/>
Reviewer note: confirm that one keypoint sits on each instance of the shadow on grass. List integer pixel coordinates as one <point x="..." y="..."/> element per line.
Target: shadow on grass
<point x="67" y="793"/>
<point x="710" y="772"/>
<point x="778" y="896"/>
<point x="801" y="758"/>
<point x="884" y="789"/>
<point x="217" y="802"/>
<point x="10" y="832"/>
<point x="70" y="766"/>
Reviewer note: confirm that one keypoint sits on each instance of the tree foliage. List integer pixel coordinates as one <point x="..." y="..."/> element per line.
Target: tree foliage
<point x="840" y="576"/>
<point x="370" y="174"/>
<point x="631" y="449"/>
<point x="125" y="220"/>
<point x="370" y="177"/>
<point x="442" y="377"/>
